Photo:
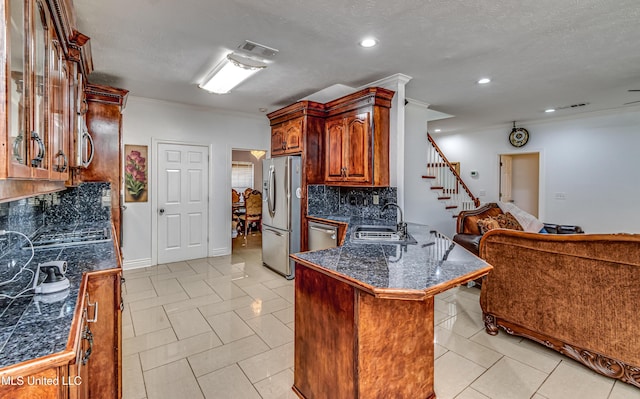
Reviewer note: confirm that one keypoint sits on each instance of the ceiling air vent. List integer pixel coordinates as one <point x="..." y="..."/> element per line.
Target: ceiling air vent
<point x="573" y="106"/>
<point x="258" y="50"/>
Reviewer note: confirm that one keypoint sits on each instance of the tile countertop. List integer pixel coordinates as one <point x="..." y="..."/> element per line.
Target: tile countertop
<point x="29" y="327"/>
<point x="412" y="271"/>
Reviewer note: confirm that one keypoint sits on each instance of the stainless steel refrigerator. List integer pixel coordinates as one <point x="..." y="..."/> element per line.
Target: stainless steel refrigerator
<point x="281" y="178"/>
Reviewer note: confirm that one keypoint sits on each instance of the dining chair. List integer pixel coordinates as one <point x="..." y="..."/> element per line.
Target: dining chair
<point x="247" y="192"/>
<point x="253" y="213"/>
<point x="235" y="196"/>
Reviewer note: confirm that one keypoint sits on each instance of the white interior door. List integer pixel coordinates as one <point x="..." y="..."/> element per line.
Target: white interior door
<point x="505" y="178"/>
<point x="182" y="202"/>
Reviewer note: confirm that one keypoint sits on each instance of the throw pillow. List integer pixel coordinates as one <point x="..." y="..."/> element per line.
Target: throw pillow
<point x="508" y="221"/>
<point x="487" y="224"/>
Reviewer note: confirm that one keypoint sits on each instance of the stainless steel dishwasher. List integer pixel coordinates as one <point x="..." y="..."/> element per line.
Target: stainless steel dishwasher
<point x="322" y="236"/>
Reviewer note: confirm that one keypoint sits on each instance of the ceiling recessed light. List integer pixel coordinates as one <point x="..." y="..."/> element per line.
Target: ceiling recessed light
<point x="484" y="81"/>
<point x="549" y="110"/>
<point x="368" y="42"/>
<point x="438" y="130"/>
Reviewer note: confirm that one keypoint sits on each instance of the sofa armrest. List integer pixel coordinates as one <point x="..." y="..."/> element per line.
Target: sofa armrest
<point x="552" y="228"/>
<point x="470" y="242"/>
<point x="467" y="221"/>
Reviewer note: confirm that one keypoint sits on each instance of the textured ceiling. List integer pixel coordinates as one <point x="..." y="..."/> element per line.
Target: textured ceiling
<point x="539" y="54"/>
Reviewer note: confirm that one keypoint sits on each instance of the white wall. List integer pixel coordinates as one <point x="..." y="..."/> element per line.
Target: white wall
<point x="591" y="161"/>
<point x="421" y="204"/>
<point x="146" y="120"/>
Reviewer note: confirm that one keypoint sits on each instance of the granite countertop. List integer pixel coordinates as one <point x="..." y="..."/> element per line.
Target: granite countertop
<point x="29" y="327"/>
<point x="432" y="265"/>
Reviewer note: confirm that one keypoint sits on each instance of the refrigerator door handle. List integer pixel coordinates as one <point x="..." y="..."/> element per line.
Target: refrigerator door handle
<point x="287" y="186"/>
<point x="271" y="200"/>
<point x="279" y="234"/>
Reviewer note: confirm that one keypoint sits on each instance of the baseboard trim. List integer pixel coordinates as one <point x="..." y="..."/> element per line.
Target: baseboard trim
<point x="137" y="264"/>
<point x="219" y="251"/>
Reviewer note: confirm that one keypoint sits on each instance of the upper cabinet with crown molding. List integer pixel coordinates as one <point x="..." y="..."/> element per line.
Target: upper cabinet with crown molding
<point x="357" y="139"/>
<point x="43" y="73"/>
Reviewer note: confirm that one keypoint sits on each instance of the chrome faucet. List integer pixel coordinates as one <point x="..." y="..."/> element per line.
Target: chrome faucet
<point x="401" y="227"/>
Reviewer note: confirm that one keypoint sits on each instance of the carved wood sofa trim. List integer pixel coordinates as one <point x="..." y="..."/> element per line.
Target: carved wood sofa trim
<point x="597" y="362"/>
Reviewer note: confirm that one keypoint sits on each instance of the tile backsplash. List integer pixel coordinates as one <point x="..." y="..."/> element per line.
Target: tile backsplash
<point x="351" y="201"/>
<point x="75" y="205"/>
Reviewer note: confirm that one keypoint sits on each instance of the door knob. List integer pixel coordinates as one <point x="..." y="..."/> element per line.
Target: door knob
<point x="161" y="211"/>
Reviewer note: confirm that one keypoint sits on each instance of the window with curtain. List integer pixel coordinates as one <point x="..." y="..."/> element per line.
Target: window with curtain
<point x="241" y="175"/>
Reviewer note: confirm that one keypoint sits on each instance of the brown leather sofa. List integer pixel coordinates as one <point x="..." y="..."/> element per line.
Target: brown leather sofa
<point x="576" y="294"/>
<point x="468" y="234"/>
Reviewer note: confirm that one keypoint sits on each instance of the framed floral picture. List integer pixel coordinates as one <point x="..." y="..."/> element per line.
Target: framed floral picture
<point x="136" y="183"/>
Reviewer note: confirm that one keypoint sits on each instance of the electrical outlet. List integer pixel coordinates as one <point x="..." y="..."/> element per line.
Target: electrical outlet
<point x="353" y="200"/>
<point x="376" y="198"/>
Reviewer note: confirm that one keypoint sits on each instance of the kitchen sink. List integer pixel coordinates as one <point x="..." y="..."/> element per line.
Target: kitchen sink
<point x="369" y="234"/>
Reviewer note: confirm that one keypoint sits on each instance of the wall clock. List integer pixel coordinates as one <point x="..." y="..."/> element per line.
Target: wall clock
<point x="518" y="136"/>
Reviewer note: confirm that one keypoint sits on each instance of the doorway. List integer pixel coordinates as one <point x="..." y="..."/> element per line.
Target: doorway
<point x="246" y="181"/>
<point x="520" y="181"/>
<point x="182" y="202"/>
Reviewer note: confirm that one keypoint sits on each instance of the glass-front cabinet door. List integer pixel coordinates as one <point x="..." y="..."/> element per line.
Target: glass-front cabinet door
<point x="58" y="113"/>
<point x="27" y="86"/>
<point x="18" y="163"/>
<point x="39" y="137"/>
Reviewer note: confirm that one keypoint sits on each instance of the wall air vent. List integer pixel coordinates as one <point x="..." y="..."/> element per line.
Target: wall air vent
<point x="257" y="50"/>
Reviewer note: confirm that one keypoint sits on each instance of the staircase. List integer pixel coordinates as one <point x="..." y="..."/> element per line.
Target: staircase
<point x="447" y="183"/>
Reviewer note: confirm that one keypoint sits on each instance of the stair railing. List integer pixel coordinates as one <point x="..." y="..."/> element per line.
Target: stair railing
<point x="455" y="193"/>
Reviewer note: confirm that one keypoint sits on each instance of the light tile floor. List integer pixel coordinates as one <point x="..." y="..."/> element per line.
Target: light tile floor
<point x="223" y="328"/>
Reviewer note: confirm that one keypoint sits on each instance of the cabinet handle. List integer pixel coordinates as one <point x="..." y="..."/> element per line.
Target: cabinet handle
<point x="88" y="335"/>
<point x="37" y="160"/>
<point x="284" y="145"/>
<point x="65" y="162"/>
<point x="95" y="313"/>
<point x="88" y="139"/>
<point x="16" y="148"/>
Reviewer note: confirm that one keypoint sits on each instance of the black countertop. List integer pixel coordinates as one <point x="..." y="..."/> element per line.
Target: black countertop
<point x="430" y="265"/>
<point x="30" y="327"/>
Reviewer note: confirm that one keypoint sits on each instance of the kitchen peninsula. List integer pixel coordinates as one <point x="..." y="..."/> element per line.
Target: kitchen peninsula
<point x="364" y="313"/>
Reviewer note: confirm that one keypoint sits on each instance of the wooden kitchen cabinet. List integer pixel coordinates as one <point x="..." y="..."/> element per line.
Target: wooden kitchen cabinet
<point x="104" y="318"/>
<point x="43" y="54"/>
<point x="78" y="371"/>
<point x="25" y="83"/>
<point x="104" y="122"/>
<point x="298" y="129"/>
<point x="357" y="139"/>
<point x="348" y="157"/>
<point x="91" y="365"/>
<point x="286" y="137"/>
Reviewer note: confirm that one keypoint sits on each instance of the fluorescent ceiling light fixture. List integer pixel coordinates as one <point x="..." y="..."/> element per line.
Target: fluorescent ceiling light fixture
<point x="368" y="42"/>
<point x="484" y="81"/>
<point x="229" y="73"/>
<point x="549" y="110"/>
